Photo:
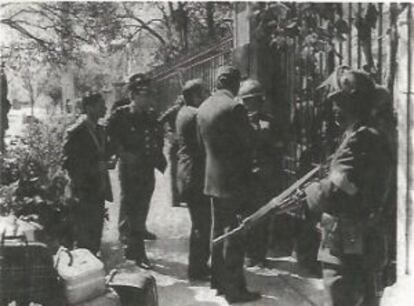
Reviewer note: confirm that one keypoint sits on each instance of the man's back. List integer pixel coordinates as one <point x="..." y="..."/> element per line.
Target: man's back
<point x="226" y="135"/>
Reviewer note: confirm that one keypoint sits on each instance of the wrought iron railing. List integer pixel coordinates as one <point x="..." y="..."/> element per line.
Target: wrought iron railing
<point x="204" y="64"/>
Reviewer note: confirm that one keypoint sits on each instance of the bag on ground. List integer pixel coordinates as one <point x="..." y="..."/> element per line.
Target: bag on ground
<point x="82" y="275"/>
<point x="136" y="287"/>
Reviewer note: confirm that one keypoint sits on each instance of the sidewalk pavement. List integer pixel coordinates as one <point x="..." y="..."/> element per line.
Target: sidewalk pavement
<point x="282" y="283"/>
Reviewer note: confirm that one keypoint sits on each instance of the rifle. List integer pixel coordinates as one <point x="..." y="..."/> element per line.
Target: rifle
<point x="280" y="204"/>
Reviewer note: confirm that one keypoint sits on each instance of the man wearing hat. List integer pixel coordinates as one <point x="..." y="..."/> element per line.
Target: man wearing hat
<point x="226" y="136"/>
<point x="190" y="178"/>
<point x="264" y="169"/>
<point x="85" y="159"/>
<point x="349" y="200"/>
<point x="137" y="136"/>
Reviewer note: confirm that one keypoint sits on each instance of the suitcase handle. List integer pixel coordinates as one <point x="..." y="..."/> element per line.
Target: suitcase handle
<point x="22" y="238"/>
<point x="59" y="253"/>
<point x="111" y="275"/>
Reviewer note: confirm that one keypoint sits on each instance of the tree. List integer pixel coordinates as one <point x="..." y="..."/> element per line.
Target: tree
<point x="61" y="29"/>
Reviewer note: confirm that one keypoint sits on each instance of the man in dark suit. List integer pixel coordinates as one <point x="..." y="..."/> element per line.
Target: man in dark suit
<point x="167" y="119"/>
<point x="190" y="177"/>
<point x="349" y="201"/>
<point x="136" y="134"/>
<point x="226" y="136"/>
<point x="85" y="159"/>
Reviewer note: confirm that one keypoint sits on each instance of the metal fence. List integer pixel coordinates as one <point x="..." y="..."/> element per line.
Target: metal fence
<point x="169" y="79"/>
<point x="312" y="132"/>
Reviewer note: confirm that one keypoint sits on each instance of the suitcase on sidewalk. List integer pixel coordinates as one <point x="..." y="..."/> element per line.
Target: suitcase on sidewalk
<point x="26" y="272"/>
<point x="82" y="275"/>
<point x="137" y="287"/>
<point x="109" y="298"/>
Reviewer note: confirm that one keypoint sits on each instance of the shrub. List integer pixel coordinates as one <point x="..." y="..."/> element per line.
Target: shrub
<point x="33" y="183"/>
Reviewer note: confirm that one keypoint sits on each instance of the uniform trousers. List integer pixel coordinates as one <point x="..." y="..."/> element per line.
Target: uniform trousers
<point x="227" y="259"/>
<point x="200" y="214"/>
<point x="308" y="239"/>
<point x="258" y="236"/>
<point x="137" y="187"/>
<point x="352" y="283"/>
<point x="89" y="220"/>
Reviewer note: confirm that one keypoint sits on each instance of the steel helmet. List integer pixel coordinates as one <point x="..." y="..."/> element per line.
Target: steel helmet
<point x="251" y="88"/>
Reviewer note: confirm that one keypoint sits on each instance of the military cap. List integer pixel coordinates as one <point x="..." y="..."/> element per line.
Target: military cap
<point x="226" y="73"/>
<point x="138" y="81"/>
<point x="250" y="88"/>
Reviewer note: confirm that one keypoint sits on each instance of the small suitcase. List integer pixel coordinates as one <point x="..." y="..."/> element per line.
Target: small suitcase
<point x="109" y="298"/>
<point x="26" y="272"/>
<point x="136" y="287"/>
<point x="81" y="273"/>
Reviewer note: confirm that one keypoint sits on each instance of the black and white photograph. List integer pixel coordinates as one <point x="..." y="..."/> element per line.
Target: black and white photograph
<point x="212" y="153"/>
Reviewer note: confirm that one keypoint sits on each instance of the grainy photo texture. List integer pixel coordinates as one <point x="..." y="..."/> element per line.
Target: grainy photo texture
<point x="206" y="153"/>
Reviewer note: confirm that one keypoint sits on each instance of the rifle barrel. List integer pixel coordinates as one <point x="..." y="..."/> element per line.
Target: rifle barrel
<point x="273" y="204"/>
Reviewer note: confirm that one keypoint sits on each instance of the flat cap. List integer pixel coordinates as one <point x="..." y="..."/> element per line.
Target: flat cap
<point x="191" y="84"/>
<point x="250" y="88"/>
<point x="228" y="73"/>
<point x="138" y="81"/>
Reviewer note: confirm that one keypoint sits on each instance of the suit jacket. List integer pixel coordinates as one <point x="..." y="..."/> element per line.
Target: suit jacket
<point x="351" y="195"/>
<point x="266" y="158"/>
<point x="85" y="157"/>
<point x="226" y="136"/>
<point x="190" y="167"/>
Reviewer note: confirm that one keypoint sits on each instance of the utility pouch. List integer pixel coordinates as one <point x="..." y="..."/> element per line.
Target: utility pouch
<point x="351" y="235"/>
<point x="331" y="238"/>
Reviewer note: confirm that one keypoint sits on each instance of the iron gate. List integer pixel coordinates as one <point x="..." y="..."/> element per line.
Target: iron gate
<point x="312" y="132"/>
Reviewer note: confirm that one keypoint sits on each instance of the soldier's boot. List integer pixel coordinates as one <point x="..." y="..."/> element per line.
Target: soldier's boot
<point x="141" y="258"/>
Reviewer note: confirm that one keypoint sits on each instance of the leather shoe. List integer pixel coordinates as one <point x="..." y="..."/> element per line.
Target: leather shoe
<point x="243" y="297"/>
<point x="199" y="278"/>
<point x="144" y="263"/>
<point x="149" y="236"/>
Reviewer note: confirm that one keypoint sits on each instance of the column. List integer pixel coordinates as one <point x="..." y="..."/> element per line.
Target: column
<point x="402" y="292"/>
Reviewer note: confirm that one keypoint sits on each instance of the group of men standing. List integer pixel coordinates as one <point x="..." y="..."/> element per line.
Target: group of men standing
<point x="225" y="171"/>
<point x="134" y="138"/>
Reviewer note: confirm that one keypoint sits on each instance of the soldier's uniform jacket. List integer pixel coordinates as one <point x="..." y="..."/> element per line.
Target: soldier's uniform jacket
<point x="85" y="157"/>
<point x="138" y="136"/>
<point x="351" y="196"/>
<point x="227" y="139"/>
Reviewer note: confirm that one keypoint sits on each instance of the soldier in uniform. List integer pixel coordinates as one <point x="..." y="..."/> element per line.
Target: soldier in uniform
<point x="226" y="137"/>
<point x="349" y="199"/>
<point x="85" y="159"/>
<point x="137" y="136"/>
<point x="264" y="168"/>
<point x="190" y="177"/>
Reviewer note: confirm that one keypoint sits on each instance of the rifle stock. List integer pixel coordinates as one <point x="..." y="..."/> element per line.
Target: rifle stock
<point x="273" y="204"/>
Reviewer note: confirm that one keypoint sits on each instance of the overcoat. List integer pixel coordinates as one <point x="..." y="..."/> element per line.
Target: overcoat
<point x="226" y="136"/>
<point x="190" y="167"/>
